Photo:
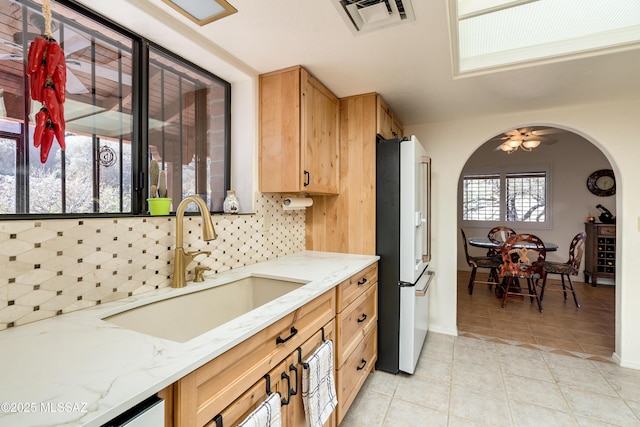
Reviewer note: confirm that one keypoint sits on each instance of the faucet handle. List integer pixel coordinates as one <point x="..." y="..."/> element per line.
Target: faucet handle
<point x="194" y="254"/>
<point x="200" y="269"/>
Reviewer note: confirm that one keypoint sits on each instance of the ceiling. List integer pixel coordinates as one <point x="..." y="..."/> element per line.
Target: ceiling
<point x="409" y="64"/>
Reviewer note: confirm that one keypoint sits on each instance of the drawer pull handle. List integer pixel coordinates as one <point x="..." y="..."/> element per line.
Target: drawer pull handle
<point x="293" y="368"/>
<point x="280" y="340"/>
<point x="285" y="400"/>
<point x="362" y="281"/>
<point x="362" y="318"/>
<point x="362" y="365"/>
<point x="218" y="420"/>
<point x="307" y="178"/>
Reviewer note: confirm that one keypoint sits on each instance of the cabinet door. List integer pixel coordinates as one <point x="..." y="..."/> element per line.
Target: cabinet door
<point x="279" y="155"/>
<point x="320" y="137"/>
<point x="396" y="128"/>
<point x="385" y="120"/>
<point x="295" y="408"/>
<point x="235" y="413"/>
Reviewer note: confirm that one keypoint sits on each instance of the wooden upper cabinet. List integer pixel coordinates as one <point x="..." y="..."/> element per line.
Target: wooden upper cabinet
<point x="299" y="134"/>
<point x="388" y="126"/>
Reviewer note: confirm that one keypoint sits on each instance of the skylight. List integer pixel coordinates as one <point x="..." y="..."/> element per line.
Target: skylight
<point x="495" y="33"/>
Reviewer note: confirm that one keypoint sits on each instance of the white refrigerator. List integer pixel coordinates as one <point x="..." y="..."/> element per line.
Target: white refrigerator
<point x="403" y="175"/>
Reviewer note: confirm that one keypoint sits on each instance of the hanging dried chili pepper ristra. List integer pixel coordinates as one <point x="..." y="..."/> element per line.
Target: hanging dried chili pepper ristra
<point x="37" y="49"/>
<point x="42" y="117"/>
<point x="47" y="142"/>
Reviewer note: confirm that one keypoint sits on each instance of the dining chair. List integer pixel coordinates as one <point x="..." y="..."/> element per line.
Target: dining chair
<point x="568" y="269"/>
<point x="476" y="262"/>
<point x="523" y="257"/>
<point x="499" y="234"/>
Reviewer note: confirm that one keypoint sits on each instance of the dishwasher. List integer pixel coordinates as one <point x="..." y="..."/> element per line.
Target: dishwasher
<point x="148" y="413"/>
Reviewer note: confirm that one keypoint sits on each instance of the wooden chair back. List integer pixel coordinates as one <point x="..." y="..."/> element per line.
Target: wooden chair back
<point x="576" y="250"/>
<point x="499" y="235"/>
<point x="523" y="255"/>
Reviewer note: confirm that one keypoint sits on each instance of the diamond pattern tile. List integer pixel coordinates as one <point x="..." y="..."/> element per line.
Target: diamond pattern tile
<point x="51" y="267"/>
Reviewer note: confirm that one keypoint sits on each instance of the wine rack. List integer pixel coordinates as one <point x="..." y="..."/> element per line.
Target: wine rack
<point x="600" y="252"/>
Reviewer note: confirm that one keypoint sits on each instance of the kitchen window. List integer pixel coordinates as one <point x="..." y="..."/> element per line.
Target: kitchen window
<point x="513" y="197"/>
<point x="128" y="101"/>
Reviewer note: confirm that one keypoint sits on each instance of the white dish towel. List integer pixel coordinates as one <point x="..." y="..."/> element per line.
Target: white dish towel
<point x="318" y="386"/>
<point x="266" y="415"/>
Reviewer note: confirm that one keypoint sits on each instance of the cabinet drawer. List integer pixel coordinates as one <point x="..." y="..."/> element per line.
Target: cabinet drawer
<point x="607" y="230"/>
<point x="350" y="289"/>
<point x="202" y="394"/>
<point x="356" y="321"/>
<point x="353" y="373"/>
<point x="235" y="413"/>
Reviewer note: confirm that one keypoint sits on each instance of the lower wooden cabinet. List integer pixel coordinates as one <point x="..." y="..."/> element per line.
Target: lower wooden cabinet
<point x="356" y="336"/>
<point x="286" y="379"/>
<point x="224" y="391"/>
<point x="351" y="375"/>
<point x="203" y="394"/>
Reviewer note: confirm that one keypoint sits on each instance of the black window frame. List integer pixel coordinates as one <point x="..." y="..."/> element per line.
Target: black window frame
<point x="140" y="116"/>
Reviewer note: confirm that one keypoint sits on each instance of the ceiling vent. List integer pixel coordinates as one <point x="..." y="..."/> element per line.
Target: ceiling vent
<point x="369" y="15"/>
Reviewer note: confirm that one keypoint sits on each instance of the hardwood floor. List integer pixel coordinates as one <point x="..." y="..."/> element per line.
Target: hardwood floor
<point x="562" y="328"/>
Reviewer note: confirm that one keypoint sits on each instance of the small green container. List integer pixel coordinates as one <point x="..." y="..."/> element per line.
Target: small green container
<point x="159" y="206"/>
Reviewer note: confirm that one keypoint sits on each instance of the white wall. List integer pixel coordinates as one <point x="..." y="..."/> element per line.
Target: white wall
<point x="612" y="127"/>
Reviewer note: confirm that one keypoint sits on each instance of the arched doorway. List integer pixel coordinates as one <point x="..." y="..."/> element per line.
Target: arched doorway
<point x="588" y="331"/>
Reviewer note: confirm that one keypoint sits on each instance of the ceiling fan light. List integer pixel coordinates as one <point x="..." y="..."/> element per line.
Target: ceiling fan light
<point x="507" y="148"/>
<point x="513" y="143"/>
<point x="531" y="144"/>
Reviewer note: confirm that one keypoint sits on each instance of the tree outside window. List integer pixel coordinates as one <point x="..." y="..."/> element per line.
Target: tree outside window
<point x="514" y="197"/>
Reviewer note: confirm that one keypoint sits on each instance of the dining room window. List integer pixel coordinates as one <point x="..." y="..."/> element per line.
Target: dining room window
<point x="507" y="197"/>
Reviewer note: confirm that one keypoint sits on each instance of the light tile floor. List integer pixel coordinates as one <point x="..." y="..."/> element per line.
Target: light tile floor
<point x="465" y="381"/>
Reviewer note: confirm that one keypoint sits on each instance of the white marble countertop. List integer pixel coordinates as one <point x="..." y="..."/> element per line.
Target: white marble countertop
<point x="78" y="370"/>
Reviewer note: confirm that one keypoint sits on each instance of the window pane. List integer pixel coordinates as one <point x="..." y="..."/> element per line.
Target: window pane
<point x="7" y="175"/>
<point x="526" y="197"/>
<point x="187" y="129"/>
<point x="481" y="198"/>
<point x="98" y="107"/>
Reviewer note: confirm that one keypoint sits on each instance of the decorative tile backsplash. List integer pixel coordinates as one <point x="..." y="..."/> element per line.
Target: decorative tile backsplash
<point x="51" y="267"/>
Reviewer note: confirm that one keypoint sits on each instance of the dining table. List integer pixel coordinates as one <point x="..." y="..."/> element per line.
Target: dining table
<point x="486" y="243"/>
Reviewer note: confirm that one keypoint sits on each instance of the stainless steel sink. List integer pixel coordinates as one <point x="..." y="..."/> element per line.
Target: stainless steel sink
<point x="187" y="316"/>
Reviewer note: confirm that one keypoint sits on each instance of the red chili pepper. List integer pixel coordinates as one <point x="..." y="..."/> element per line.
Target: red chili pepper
<point x="41" y="122"/>
<point x="60" y="80"/>
<point x="59" y="132"/>
<point x="63" y="124"/>
<point x="37" y="83"/>
<point x="54" y="52"/>
<point x="47" y="142"/>
<point x="51" y="102"/>
<point x="37" y="48"/>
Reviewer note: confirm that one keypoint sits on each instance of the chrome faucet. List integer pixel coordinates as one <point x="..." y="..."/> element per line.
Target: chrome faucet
<point x="182" y="259"/>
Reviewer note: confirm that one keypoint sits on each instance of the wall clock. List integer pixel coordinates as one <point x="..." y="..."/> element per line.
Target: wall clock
<point x="602" y="183"/>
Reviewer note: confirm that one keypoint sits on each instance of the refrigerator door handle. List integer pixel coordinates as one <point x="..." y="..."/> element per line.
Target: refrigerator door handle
<point x="422" y="292"/>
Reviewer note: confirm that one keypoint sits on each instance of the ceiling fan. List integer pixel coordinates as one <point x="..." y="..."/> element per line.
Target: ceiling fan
<point x="525" y="138"/>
